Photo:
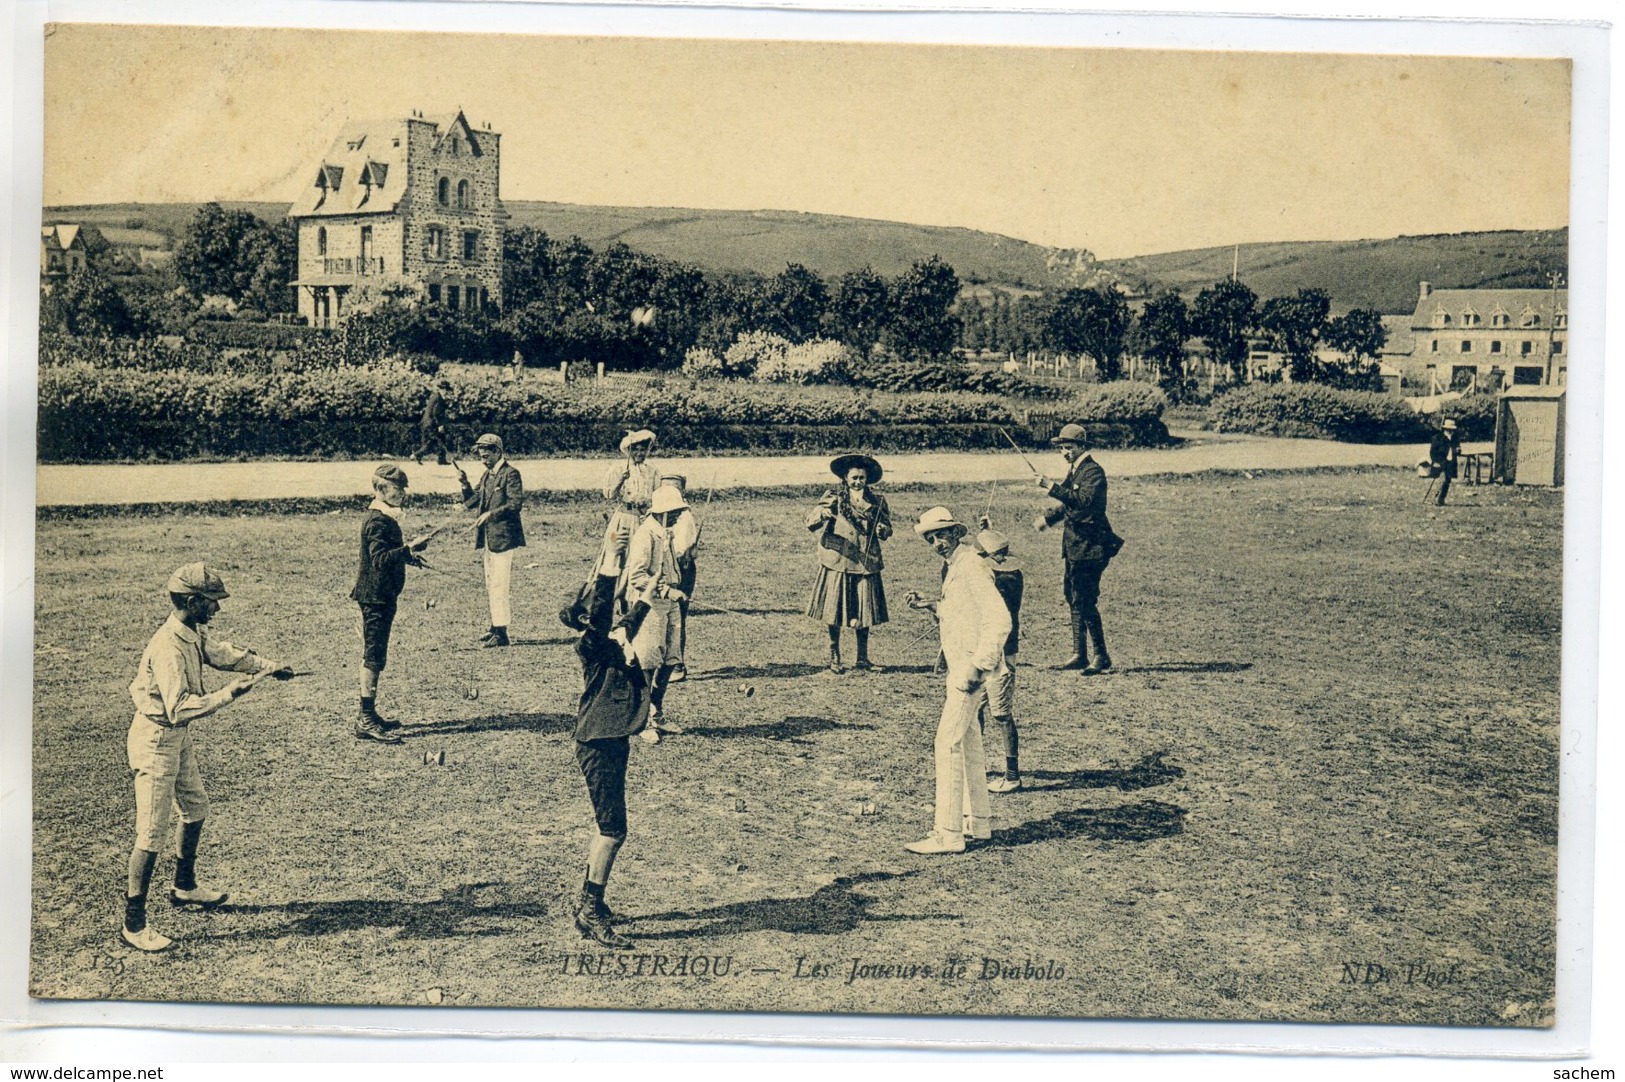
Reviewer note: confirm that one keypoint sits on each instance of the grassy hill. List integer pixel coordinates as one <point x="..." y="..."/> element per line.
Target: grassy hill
<point x="1381" y="274"/>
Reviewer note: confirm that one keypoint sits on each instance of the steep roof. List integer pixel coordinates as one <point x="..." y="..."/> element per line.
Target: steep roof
<point x="354" y="176"/>
<point x="62" y="234"/>
<point x="1485" y="302"/>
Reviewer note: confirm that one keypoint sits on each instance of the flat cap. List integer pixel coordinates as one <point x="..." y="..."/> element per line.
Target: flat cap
<point x="197" y="579"/>
<point x="1072" y="434"/>
<point x="390" y="472"/>
<point x="489" y="439"/>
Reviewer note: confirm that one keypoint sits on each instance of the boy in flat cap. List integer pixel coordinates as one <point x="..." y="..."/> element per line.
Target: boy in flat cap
<point x="499" y="530"/>
<point x="629" y="486"/>
<point x="1001" y="683"/>
<point x="169" y="696"/>
<point x="379" y="580"/>
<point x="614" y="705"/>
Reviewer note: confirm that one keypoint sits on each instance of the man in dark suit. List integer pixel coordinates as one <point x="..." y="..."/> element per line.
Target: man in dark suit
<point x="378" y="584"/>
<point x="1087" y="547"/>
<point x="1444" y="453"/>
<point x="498" y="498"/>
<point x="432" y="425"/>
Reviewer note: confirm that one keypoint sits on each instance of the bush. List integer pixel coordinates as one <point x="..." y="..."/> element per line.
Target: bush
<point x="750" y="351"/>
<point x="248" y="335"/>
<point x="1316" y="412"/>
<point x="95" y="413"/>
<point x="702" y="363"/>
<point x="1474" y="415"/>
<point x="818" y="361"/>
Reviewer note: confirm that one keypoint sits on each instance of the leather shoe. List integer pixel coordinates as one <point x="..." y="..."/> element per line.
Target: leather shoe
<point x="198" y="896"/>
<point x="1076" y="661"/>
<point x="369" y="729"/>
<point x="934" y="843"/>
<point x="650" y="735"/>
<point x="593" y="923"/>
<point x="1104" y="665"/>
<point x="1004" y="785"/>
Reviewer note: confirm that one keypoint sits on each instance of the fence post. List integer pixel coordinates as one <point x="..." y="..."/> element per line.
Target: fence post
<point x="600" y="371"/>
<point x="564" y="371"/>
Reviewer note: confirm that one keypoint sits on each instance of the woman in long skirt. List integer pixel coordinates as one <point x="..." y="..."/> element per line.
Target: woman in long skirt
<point x="851" y="522"/>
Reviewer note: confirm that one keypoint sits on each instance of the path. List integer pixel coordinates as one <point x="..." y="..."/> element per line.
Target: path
<point x="197" y="482"/>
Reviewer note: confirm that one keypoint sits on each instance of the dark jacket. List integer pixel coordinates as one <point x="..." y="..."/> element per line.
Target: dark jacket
<point x="1010" y="584"/>
<point x="850" y="541"/>
<point x="614" y="695"/>
<point x="502" y="493"/>
<point x="1443" y="451"/>
<point x="1082" y="495"/>
<point x="434" y="413"/>
<point x="384" y="556"/>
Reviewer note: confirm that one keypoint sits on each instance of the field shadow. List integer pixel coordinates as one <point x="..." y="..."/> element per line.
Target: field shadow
<point x="466" y="910"/>
<point x="1190" y="667"/>
<point x="1149" y="771"/>
<point x="698" y="611"/>
<point x="770" y="671"/>
<point x="1143" y="822"/>
<point x="543" y="723"/>
<point x="557" y="640"/>
<point x="791" y="729"/>
<point x="834" y="909"/>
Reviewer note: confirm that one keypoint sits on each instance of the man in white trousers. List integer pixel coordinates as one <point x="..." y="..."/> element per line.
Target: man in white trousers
<point x="498" y="500"/>
<point x="973" y="623"/>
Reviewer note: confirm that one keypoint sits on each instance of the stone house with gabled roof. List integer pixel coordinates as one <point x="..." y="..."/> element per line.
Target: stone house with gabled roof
<point x="62" y="252"/>
<point x="409" y="203"/>
<point x="1491" y="338"/>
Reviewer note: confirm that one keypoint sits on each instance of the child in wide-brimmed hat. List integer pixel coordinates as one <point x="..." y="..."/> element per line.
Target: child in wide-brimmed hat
<point x="851" y="523"/>
<point x="629" y="485"/>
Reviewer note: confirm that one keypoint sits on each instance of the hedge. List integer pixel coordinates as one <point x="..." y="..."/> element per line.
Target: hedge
<point x="96" y="414"/>
<point x="1317" y="412"/>
<point x="251" y="335"/>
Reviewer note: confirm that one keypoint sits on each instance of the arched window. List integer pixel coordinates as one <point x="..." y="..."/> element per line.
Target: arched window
<point x="444" y="191"/>
<point x="321" y="240"/>
<point x="462" y="194"/>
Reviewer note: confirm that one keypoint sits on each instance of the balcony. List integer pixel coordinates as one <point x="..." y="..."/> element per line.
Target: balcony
<point x="371" y="265"/>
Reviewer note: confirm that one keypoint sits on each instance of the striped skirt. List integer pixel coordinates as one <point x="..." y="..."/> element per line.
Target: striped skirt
<point x="845" y="599"/>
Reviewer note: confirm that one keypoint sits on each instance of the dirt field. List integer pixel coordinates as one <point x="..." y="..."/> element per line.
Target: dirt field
<point x="1321" y="786"/>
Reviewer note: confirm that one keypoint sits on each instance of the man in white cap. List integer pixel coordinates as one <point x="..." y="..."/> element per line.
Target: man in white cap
<point x="685" y="544"/>
<point x="169" y="696"/>
<point x="629" y="486"/>
<point x="498" y="530"/>
<point x="1444" y="450"/>
<point x="1087" y="547"/>
<point x="652" y="573"/>
<point x="974" y="624"/>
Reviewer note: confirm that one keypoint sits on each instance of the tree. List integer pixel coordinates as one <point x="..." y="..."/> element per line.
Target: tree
<point x="1359" y="334"/>
<point x="922" y="322"/>
<point x="271" y="256"/>
<point x="87" y="304"/>
<point x="1296" y="324"/>
<point x="794" y="303"/>
<point x="1223" y="315"/>
<point x="233" y="253"/>
<point x="1159" y="334"/>
<point x="1091" y="321"/>
<point x="859" y="310"/>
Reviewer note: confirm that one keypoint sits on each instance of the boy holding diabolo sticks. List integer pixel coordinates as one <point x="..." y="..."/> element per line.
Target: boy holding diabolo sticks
<point x="380" y="578"/>
<point x="169" y="695"/>
<point x="1001" y="683"/>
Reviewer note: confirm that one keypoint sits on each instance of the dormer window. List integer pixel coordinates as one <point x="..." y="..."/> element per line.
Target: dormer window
<point x="355" y="144"/>
<point x="1531" y="318"/>
<point x="1469" y="318"/>
<point x="1561" y="319"/>
<point x="1500" y="317"/>
<point x="1441" y="318"/>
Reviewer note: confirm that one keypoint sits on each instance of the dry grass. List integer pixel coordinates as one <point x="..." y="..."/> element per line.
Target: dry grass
<point x="1332" y="739"/>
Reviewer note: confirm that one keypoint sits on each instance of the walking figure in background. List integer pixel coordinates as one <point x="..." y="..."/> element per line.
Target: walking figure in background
<point x="685" y="543"/>
<point x="1001" y="683"/>
<point x="432" y="426"/>
<point x="1444" y="451"/>
<point x="169" y="696"/>
<point x="974" y="626"/>
<point x="629" y="486"/>
<point x="651" y="574"/>
<point x="498" y="530"/>
<point x="851" y="523"/>
<point x="614" y="704"/>
<point x="379" y="580"/>
<point x="1087" y="546"/>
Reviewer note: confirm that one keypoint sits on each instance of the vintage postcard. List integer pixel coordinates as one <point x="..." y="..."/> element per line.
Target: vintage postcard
<point x="788" y="526"/>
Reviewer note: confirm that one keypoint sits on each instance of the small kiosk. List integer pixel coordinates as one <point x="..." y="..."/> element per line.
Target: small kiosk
<point x="1529" y="436"/>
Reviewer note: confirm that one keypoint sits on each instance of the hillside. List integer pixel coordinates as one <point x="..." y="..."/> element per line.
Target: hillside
<point x="1381" y="274"/>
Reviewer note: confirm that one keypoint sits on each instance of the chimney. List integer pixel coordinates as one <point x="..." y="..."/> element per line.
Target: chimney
<point x="1426" y="290"/>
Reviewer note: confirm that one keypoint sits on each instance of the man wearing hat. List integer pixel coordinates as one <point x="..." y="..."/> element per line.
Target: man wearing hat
<point x="1087" y="547"/>
<point x="432" y="426"/>
<point x="378" y="583"/>
<point x="652" y="574"/>
<point x="499" y="498"/>
<point x="974" y="626"/>
<point x="169" y="696"/>
<point x="628" y="486"/>
<point x="685" y="544"/>
<point x="1444" y="449"/>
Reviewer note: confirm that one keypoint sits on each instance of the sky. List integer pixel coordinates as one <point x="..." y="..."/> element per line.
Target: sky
<point x="1122" y="152"/>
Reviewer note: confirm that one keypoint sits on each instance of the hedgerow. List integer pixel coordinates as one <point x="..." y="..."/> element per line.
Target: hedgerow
<point x="1308" y="410"/>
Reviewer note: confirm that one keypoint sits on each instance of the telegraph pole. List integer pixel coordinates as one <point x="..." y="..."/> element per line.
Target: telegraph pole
<point x="1556" y="280"/>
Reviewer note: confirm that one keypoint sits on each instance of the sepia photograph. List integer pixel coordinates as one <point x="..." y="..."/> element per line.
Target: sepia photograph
<point x="855" y="528"/>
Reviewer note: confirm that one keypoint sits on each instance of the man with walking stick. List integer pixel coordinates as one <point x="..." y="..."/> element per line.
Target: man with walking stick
<point x="1087" y="546"/>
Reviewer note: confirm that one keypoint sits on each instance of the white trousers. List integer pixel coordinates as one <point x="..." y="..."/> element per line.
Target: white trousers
<point x="498" y="583"/>
<point x="959" y="755"/>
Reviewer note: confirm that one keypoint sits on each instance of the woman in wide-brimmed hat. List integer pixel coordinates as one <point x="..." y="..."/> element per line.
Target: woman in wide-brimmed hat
<point x="851" y="523"/>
